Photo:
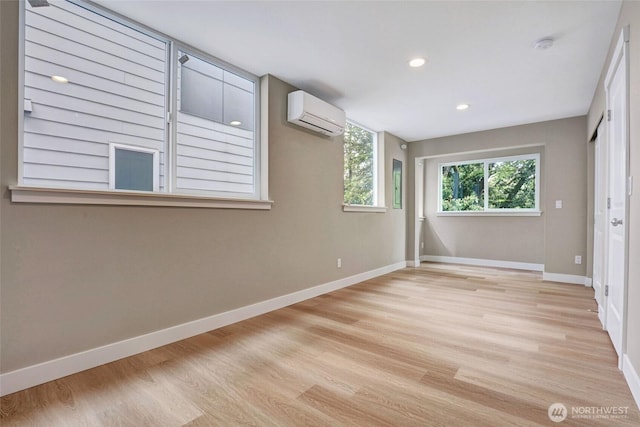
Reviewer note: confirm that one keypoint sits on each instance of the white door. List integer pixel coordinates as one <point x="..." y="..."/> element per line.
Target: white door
<point x="600" y="222"/>
<point x="616" y="88"/>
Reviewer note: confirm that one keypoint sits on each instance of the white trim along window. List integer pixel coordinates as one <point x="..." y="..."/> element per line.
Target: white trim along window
<point x="363" y="169"/>
<point x="112" y="106"/>
<point x="507" y="184"/>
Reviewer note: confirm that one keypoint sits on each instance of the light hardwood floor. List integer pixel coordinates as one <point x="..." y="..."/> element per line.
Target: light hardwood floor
<point x="438" y="345"/>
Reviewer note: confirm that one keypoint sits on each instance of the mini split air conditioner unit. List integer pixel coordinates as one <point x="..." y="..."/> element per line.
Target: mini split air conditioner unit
<point x="310" y="112"/>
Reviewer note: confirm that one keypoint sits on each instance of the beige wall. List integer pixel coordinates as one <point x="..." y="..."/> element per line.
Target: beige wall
<point x="78" y="277"/>
<point x="552" y="239"/>
<point x="629" y="15"/>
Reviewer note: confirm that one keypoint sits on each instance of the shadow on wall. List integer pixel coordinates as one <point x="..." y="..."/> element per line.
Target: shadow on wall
<point x="433" y="244"/>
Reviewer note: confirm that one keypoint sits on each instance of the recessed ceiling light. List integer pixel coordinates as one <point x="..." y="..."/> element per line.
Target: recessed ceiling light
<point x="235" y="122"/>
<point x="60" y="79"/>
<point x="462" y="107"/>
<point x="417" y="62"/>
<point x="544" y="44"/>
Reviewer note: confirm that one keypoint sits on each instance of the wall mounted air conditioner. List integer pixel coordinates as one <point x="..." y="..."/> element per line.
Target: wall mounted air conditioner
<point x="313" y="113"/>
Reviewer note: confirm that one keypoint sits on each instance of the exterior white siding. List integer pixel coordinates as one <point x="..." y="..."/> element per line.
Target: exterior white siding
<point x="213" y="157"/>
<point x="116" y="94"/>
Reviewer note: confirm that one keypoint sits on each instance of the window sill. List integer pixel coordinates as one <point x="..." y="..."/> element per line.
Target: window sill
<point x="477" y="213"/>
<point x="363" y="208"/>
<point x="21" y="194"/>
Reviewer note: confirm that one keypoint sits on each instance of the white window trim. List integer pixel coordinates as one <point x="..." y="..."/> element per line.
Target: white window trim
<point x="112" y="163"/>
<point x="379" y="205"/>
<point x="419" y="182"/>
<point x="31" y="194"/>
<point x="493" y="212"/>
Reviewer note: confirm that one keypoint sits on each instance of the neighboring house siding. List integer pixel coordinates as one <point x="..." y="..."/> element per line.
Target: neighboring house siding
<point x="116" y="94"/>
<point x="213" y="157"/>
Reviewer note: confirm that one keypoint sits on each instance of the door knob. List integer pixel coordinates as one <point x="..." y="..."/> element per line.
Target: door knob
<point x="616" y="222"/>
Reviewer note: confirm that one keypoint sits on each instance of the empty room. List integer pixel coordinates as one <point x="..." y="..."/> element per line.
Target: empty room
<point x="319" y="213"/>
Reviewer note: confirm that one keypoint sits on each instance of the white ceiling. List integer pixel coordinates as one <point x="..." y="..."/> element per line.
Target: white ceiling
<point x="355" y="54"/>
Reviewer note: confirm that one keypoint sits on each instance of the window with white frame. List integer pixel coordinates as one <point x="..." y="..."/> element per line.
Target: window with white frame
<point x="111" y="106"/>
<point x="363" y="167"/>
<point x="508" y="184"/>
<point x="133" y="168"/>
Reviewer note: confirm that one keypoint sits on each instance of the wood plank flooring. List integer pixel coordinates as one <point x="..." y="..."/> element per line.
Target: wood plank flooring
<point x="438" y="345"/>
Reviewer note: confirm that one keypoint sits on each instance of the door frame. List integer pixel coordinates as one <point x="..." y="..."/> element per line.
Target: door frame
<point x="620" y="57"/>
<point x="600" y="189"/>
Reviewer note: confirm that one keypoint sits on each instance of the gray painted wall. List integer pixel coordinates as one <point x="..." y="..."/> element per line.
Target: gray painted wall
<point x="78" y="277"/>
<point x="552" y="239"/>
<point x="504" y="238"/>
<point x="629" y="15"/>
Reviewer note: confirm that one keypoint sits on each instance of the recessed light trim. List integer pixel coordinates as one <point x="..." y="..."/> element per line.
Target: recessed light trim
<point x="235" y="122"/>
<point x="417" y="62"/>
<point x="60" y="79"/>
<point x="462" y="107"/>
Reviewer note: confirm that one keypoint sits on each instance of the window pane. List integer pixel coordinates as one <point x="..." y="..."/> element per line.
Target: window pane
<point x="134" y="170"/>
<point x="200" y="94"/>
<point x="215" y="130"/>
<point x="359" y="165"/>
<point x="115" y="91"/>
<point x="463" y="187"/>
<point x="512" y="184"/>
<point x="238" y="107"/>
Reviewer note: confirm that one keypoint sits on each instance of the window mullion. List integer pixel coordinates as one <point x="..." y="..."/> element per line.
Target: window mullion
<point x="486" y="185"/>
<point x="172" y="96"/>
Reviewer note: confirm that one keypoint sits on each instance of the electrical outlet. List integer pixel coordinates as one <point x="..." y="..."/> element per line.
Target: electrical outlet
<point x="339" y="263"/>
<point x="558" y="204"/>
<point x="578" y="259"/>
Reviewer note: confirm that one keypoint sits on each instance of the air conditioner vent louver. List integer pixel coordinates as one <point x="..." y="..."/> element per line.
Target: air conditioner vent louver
<point x="315" y="126"/>
<point x="308" y="111"/>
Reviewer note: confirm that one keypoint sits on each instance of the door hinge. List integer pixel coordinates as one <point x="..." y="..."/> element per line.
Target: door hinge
<point x="608" y="115"/>
<point x="608" y="202"/>
<point x="606" y="290"/>
<point x="168" y="117"/>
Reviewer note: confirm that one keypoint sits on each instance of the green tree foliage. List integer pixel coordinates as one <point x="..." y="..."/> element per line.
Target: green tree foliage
<point x="463" y="187"/>
<point x="358" y="166"/>
<point x="512" y="185"/>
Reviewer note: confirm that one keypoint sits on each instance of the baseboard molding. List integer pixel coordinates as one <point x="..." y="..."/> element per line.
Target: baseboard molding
<point x="632" y="377"/>
<point x="30" y="376"/>
<point x="565" y="278"/>
<point x="413" y="263"/>
<point x="483" y="262"/>
<point x="588" y="282"/>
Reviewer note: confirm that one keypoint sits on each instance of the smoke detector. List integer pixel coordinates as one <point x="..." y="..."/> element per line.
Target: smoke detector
<point x="544" y="44"/>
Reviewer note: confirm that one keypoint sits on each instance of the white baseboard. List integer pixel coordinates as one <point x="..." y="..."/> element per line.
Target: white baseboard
<point x="588" y="282"/>
<point x="414" y="263"/>
<point x="565" y="278"/>
<point x="30" y="376"/>
<point x="483" y="262"/>
<point x="633" y="380"/>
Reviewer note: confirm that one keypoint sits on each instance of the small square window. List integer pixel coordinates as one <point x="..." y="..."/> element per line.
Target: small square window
<point x="133" y="168"/>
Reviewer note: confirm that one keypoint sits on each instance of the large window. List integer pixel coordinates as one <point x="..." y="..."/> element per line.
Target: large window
<point x="509" y="184"/>
<point x="359" y="166"/>
<point x="111" y="107"/>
